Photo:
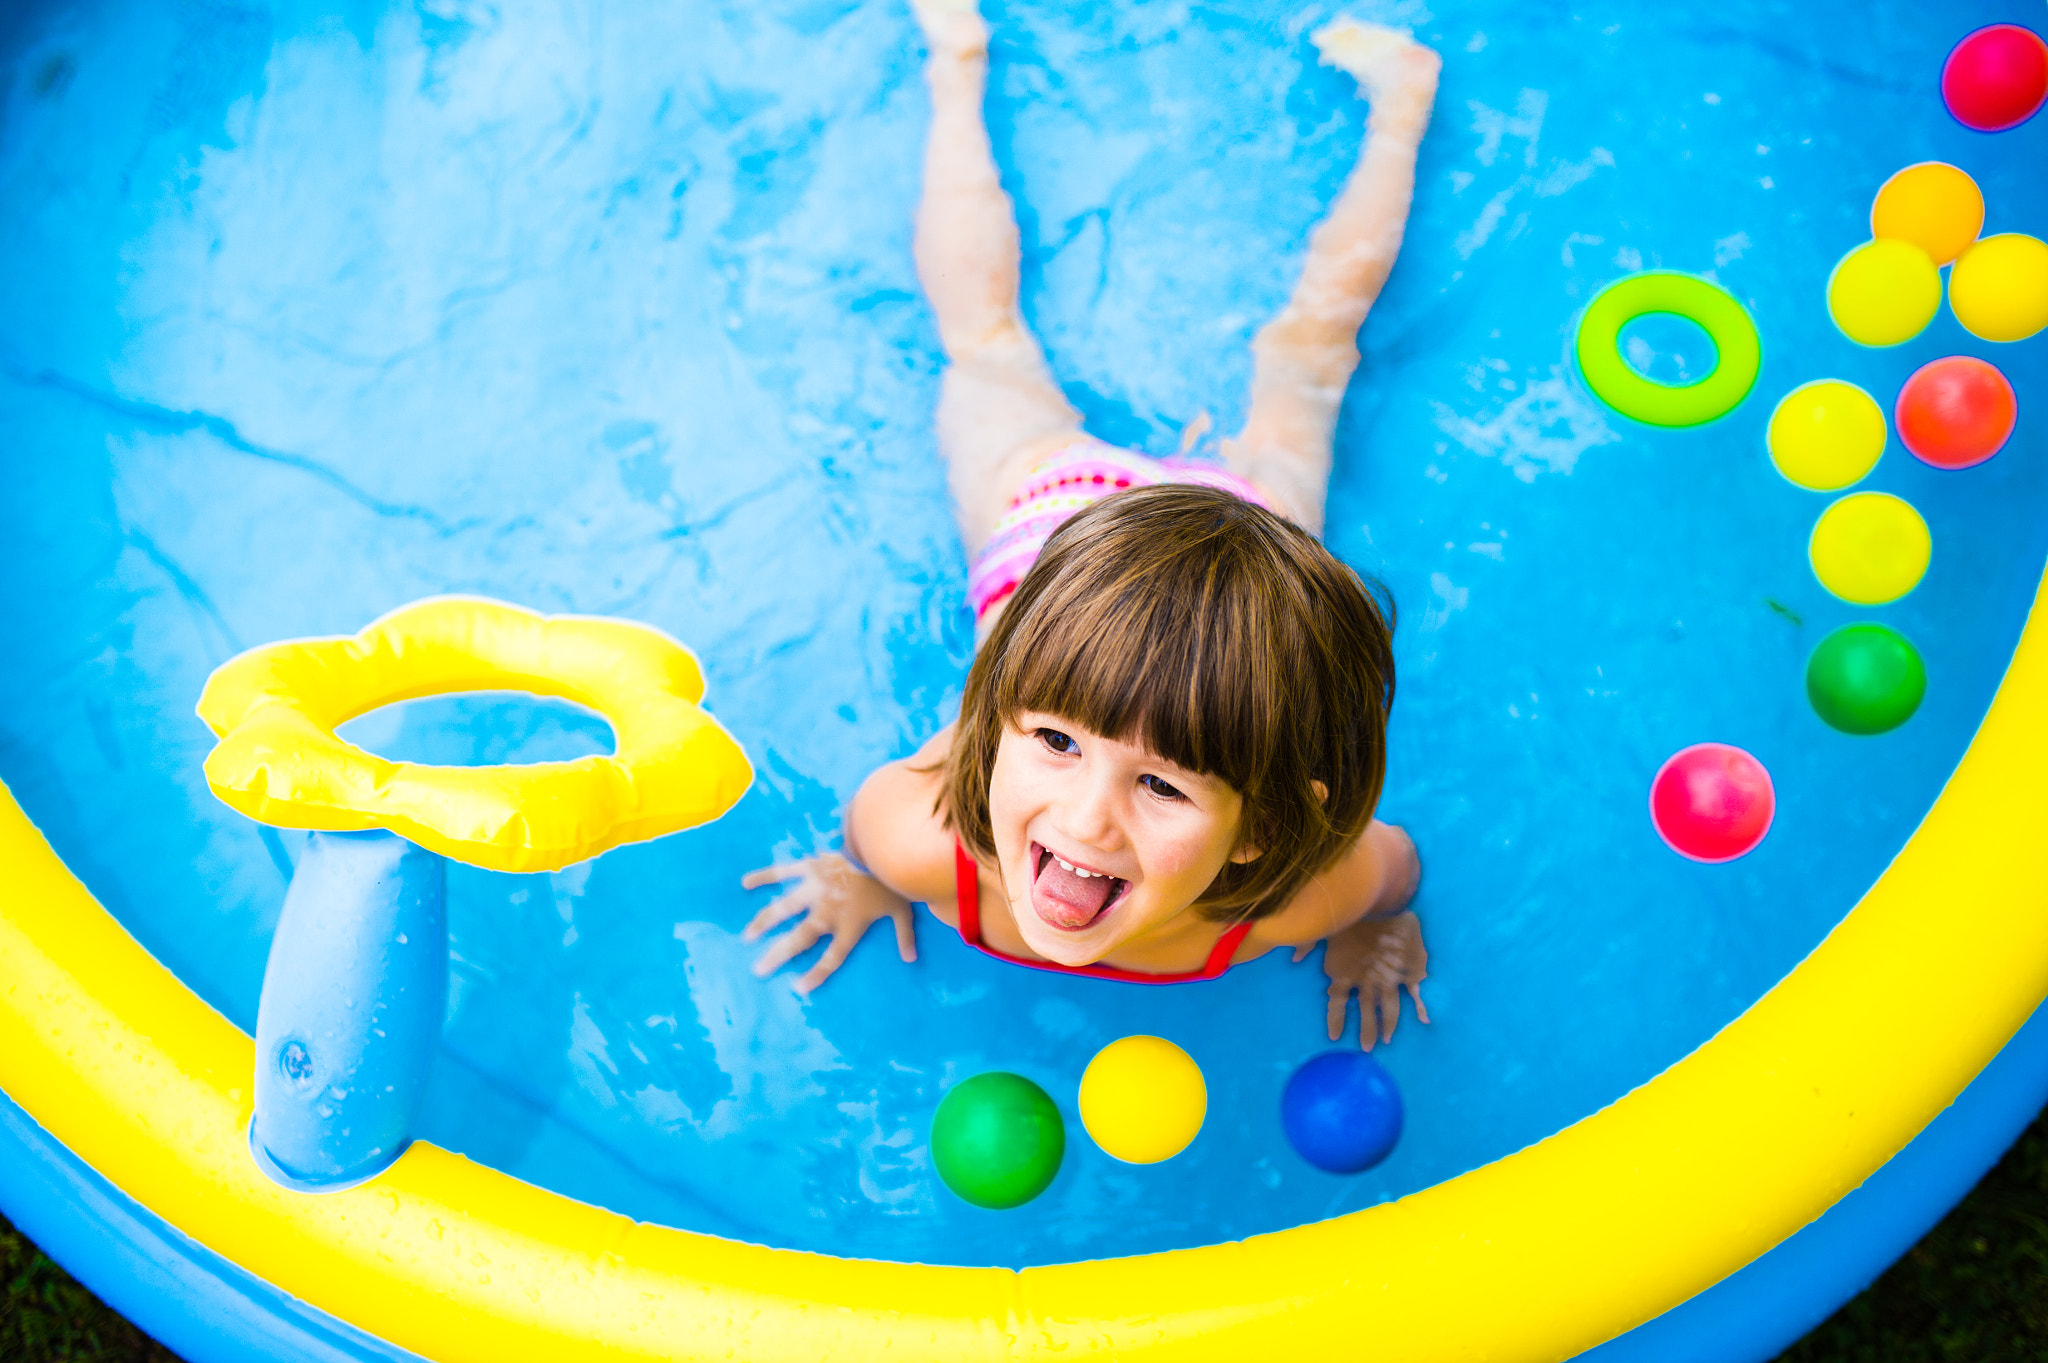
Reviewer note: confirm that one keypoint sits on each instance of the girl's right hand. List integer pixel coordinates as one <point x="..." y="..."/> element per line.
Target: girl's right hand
<point x="837" y="900"/>
<point x="1377" y="958"/>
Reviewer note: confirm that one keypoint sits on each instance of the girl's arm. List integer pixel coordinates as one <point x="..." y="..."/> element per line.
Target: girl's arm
<point x="894" y="844"/>
<point x="893" y="827"/>
<point x="1359" y="905"/>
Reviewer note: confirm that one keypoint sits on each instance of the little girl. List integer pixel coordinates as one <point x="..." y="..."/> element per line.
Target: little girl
<point x="1173" y="732"/>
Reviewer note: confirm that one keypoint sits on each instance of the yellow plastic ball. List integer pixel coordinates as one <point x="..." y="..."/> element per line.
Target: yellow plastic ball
<point x="1884" y="292"/>
<point x="1826" y="434"/>
<point x="1143" y="1099"/>
<point x="1933" y="205"/>
<point x="1870" y="548"/>
<point x="1999" y="287"/>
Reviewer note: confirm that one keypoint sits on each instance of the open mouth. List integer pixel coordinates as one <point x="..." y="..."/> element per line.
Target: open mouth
<point x="1069" y="896"/>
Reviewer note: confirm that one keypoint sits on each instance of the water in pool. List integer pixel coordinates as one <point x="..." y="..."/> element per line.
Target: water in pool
<point x="610" y="308"/>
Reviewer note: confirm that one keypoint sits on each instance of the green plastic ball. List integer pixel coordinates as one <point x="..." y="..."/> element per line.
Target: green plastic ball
<point x="997" y="1140"/>
<point x="1865" y="679"/>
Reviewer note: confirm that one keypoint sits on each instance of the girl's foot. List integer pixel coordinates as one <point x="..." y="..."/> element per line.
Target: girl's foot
<point x="952" y="28"/>
<point x="1397" y="73"/>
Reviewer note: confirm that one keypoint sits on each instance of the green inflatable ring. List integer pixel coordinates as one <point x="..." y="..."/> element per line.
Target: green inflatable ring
<point x="1615" y="382"/>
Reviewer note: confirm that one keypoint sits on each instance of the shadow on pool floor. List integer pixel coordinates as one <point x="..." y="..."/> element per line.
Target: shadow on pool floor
<point x="1975" y="1290"/>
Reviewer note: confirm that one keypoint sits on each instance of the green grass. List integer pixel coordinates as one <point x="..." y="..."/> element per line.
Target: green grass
<point x="1974" y="1291"/>
<point x="45" y="1317"/>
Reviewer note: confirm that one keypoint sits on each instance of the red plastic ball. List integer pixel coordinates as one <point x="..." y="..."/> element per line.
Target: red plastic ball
<point x="1712" y="802"/>
<point x="1956" y="412"/>
<point x="1996" y="78"/>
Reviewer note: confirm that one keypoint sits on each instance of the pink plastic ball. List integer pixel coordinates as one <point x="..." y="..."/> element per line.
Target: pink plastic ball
<point x="1712" y="802"/>
<point x="1996" y="78"/>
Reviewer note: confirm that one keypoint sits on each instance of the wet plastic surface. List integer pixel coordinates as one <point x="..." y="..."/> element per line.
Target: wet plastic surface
<point x="304" y="316"/>
<point x="348" y="1022"/>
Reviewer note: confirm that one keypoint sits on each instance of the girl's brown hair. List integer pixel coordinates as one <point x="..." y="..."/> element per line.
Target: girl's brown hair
<point x="1221" y="636"/>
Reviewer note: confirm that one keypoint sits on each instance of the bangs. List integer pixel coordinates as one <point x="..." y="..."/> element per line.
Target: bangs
<point x="1166" y="646"/>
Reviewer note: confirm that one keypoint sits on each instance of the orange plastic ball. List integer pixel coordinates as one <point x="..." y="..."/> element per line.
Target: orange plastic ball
<point x="1956" y="412"/>
<point x="1933" y="205"/>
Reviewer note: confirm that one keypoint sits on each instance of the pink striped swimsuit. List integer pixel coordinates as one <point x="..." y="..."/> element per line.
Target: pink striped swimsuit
<point x="1077" y="476"/>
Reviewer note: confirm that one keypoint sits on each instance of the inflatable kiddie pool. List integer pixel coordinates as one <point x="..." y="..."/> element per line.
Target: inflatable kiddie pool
<point x="309" y="316"/>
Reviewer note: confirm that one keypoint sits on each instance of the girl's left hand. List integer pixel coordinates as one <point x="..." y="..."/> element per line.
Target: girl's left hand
<point x="1377" y="957"/>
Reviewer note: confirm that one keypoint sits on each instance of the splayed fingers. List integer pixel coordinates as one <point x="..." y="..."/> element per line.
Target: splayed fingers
<point x="1379" y="1008"/>
<point x="774" y="875"/>
<point x="789" y="946"/>
<point x="1377" y="958"/>
<point x="905" y="917"/>
<point x="782" y="908"/>
<point x="833" y="899"/>
<point x="836" y="952"/>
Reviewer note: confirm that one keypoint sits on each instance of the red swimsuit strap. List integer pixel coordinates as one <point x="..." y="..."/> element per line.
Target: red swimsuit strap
<point x="1225" y="948"/>
<point x="967" y="887"/>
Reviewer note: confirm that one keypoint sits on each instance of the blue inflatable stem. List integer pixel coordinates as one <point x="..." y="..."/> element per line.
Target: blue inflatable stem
<point x="350" y="1014"/>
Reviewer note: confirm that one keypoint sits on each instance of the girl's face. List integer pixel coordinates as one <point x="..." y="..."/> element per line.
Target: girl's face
<point x="1101" y="842"/>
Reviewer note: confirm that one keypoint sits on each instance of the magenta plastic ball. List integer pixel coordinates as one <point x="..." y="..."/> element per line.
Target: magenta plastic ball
<point x="1996" y="78"/>
<point x="1712" y="802"/>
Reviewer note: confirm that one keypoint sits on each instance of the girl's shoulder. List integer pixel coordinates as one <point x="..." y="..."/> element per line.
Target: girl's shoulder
<point x="894" y="827"/>
<point x="1375" y="879"/>
<point x="1299" y="924"/>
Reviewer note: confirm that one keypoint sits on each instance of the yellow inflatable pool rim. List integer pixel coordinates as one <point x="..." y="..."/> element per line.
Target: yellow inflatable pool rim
<point x="275" y="709"/>
<point x="1535" y="1257"/>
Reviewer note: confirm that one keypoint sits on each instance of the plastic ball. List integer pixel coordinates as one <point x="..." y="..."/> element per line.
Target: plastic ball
<point x="1826" y="434"/>
<point x="1996" y="78"/>
<point x="1712" y="802"/>
<point x="1865" y="679"/>
<point x="1143" y="1099"/>
<point x="997" y="1140"/>
<point x="1884" y="292"/>
<point x="1956" y="412"/>
<point x="1933" y="205"/>
<point x="1870" y="548"/>
<point x="1999" y="287"/>
<point x="1341" y="1112"/>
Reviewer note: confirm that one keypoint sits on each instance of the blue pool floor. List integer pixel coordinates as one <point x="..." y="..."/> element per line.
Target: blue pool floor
<point x="304" y="315"/>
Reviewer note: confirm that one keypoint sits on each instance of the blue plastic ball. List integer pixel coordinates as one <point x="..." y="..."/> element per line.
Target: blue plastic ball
<point x="1341" y="1112"/>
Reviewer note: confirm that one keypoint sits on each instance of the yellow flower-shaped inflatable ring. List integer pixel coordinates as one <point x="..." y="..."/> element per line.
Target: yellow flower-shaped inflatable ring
<point x="279" y="761"/>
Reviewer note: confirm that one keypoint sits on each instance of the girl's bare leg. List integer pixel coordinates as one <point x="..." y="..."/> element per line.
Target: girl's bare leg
<point x="999" y="410"/>
<point x="1303" y="359"/>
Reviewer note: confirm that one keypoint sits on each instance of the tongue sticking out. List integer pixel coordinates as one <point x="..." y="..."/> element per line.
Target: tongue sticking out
<point x="1070" y="901"/>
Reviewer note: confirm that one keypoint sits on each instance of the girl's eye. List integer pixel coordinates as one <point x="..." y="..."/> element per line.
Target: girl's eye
<point x="1160" y="788"/>
<point x="1057" y="741"/>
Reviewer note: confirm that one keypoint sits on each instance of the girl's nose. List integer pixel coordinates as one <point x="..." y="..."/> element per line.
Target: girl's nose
<point x="1091" y="817"/>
